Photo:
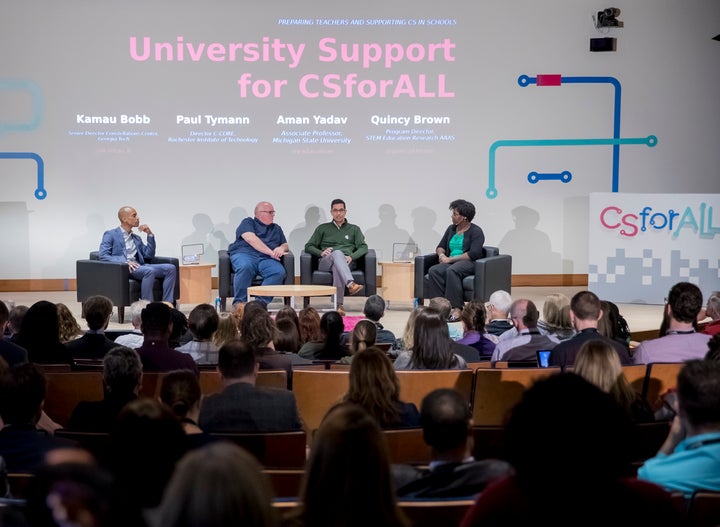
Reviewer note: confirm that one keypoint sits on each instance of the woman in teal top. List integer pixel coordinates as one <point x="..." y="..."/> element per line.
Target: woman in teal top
<point x="458" y="249"/>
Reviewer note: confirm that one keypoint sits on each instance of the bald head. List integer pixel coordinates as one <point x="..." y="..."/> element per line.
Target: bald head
<point x="265" y="212"/>
<point x="524" y="313"/>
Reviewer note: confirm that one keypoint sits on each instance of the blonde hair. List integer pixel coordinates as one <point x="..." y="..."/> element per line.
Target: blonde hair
<point x="556" y="311"/>
<point x="599" y="363"/>
<point x="227" y="329"/>
<point x="409" y="333"/>
<point x="68" y="325"/>
<point x="363" y="336"/>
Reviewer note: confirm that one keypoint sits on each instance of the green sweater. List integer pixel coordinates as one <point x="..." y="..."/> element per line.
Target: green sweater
<point x="349" y="239"/>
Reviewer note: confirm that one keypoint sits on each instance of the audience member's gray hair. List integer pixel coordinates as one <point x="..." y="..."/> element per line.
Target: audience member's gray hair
<point x="136" y="312"/>
<point x="501" y="300"/>
<point x="122" y="369"/>
<point x="713" y="305"/>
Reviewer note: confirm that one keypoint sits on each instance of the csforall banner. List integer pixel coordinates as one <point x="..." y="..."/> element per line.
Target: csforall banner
<point x="640" y="245"/>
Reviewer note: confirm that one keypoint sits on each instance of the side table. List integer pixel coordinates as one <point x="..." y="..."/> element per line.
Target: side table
<point x="196" y="284"/>
<point x="397" y="281"/>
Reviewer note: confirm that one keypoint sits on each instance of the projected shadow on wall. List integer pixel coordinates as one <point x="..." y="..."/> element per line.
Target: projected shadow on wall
<point x="300" y="234"/>
<point x="79" y="247"/>
<point x="204" y="234"/>
<point x="382" y="236"/>
<point x="530" y="247"/>
<point x="224" y="233"/>
<point x="425" y="234"/>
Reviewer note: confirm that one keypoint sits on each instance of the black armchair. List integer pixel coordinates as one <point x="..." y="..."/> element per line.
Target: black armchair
<point x="112" y="279"/>
<point x="226" y="275"/>
<point x="365" y="272"/>
<point x="492" y="272"/>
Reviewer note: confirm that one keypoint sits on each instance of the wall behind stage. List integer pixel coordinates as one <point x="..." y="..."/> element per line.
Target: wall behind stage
<point x="194" y="111"/>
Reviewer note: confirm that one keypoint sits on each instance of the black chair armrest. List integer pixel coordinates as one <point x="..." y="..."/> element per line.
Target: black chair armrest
<point x="288" y="261"/>
<point x="370" y="273"/>
<point x="423" y="262"/>
<point x="103" y="278"/>
<point x="306" y="267"/>
<point x="225" y="285"/>
<point x="492" y="274"/>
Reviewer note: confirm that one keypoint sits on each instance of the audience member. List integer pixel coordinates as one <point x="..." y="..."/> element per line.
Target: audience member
<point x="598" y="363"/>
<point x="156" y="353"/>
<point x="405" y="343"/>
<point x="461" y="244"/>
<point x="22" y="394"/>
<point x="338" y="244"/>
<point x="17" y="313"/>
<point x="681" y="342"/>
<point x="258" y="331"/>
<point x="498" y="310"/>
<point x="689" y="459"/>
<point x="218" y="485"/>
<point x="121" y="379"/>
<point x="94" y="344"/>
<point x="40" y="335"/>
<point x="556" y="317"/>
<point x="288" y="312"/>
<point x="146" y="442"/>
<point x="68" y="324"/>
<point x="585" y="312"/>
<point x="122" y="245"/>
<point x="331" y="327"/>
<point x="238" y="310"/>
<point x="259" y="244"/>
<point x="72" y="492"/>
<point x="453" y="472"/>
<point x="443" y="306"/>
<point x="180" y="333"/>
<point x="347" y="481"/>
<point x="567" y="441"/>
<point x="432" y="347"/>
<point x="135" y="338"/>
<point x="287" y="338"/>
<point x="180" y="391"/>
<point x="524" y="316"/>
<point x="474" y="334"/>
<point x="374" y="310"/>
<point x="612" y="324"/>
<point x="363" y="336"/>
<point x="203" y="323"/>
<point x="310" y="332"/>
<point x="455" y="330"/>
<point x="374" y="386"/>
<point x="227" y="330"/>
<point x="11" y="352"/>
<point x="712" y="310"/>
<point x="241" y="406"/>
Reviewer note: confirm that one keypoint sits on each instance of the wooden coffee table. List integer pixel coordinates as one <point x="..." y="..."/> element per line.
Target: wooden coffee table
<point x="289" y="292"/>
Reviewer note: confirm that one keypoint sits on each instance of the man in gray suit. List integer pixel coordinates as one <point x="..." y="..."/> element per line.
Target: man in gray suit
<point x="242" y="407"/>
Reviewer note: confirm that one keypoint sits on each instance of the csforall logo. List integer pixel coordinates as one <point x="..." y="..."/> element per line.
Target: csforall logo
<point x="698" y="219"/>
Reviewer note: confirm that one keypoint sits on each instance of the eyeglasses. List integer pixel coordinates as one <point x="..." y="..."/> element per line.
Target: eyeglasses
<point x="337" y="210"/>
<point x="267" y="211"/>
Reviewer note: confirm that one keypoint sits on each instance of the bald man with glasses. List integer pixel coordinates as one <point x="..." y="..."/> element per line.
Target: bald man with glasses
<point x="259" y="244"/>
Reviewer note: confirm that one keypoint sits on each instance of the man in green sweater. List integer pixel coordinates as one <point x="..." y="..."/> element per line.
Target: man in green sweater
<point x="337" y="244"/>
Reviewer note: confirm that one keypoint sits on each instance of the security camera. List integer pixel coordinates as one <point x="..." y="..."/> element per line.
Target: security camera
<point x="607" y="18"/>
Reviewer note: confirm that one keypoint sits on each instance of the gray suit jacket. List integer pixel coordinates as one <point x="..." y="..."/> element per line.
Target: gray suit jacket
<point x="242" y="407"/>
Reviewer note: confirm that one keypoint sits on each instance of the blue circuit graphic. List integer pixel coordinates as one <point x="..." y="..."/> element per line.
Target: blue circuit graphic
<point x="565" y="176"/>
<point x="31" y="124"/>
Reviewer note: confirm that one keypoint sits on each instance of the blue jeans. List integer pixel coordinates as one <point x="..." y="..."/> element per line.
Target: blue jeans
<point x="247" y="266"/>
<point x="147" y="273"/>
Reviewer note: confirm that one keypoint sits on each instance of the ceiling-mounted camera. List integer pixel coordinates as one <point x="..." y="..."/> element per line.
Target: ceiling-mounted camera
<point x="608" y="18"/>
